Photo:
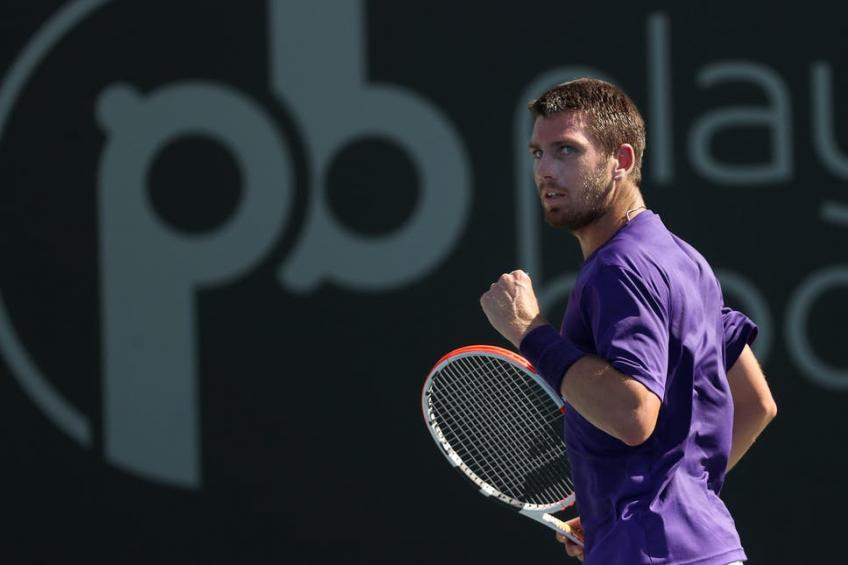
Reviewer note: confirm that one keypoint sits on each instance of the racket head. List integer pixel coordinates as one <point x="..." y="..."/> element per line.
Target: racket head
<point x="500" y="424"/>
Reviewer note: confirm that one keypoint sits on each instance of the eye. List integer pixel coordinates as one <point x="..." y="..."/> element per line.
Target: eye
<point x="567" y="149"/>
<point x="536" y="153"/>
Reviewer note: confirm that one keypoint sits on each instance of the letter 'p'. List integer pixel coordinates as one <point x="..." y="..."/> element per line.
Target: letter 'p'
<point x="150" y="272"/>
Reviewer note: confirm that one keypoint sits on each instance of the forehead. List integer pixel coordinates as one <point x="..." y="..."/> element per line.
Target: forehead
<point x="560" y="126"/>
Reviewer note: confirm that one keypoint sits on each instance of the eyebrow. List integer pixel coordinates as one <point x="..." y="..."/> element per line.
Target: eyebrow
<point x="566" y="140"/>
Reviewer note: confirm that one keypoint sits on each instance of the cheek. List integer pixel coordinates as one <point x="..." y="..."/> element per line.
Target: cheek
<point x="558" y="170"/>
<point x="569" y="174"/>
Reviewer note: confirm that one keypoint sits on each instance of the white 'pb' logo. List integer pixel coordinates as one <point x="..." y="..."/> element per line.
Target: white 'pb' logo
<point x="149" y="273"/>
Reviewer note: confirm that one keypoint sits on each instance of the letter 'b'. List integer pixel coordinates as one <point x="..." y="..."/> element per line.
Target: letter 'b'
<point x="330" y="101"/>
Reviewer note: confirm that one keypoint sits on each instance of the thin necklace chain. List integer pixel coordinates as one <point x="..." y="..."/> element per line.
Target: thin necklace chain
<point x="627" y="214"/>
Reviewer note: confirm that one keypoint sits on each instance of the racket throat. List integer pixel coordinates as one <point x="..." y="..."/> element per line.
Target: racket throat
<point x="555" y="524"/>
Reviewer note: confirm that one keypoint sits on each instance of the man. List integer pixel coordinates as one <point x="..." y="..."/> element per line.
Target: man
<point x="662" y="390"/>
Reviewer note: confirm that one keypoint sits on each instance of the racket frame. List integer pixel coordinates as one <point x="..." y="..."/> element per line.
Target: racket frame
<point x="541" y="513"/>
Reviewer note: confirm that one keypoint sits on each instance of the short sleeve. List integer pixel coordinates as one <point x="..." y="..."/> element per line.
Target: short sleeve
<point x="739" y="331"/>
<point x="629" y="322"/>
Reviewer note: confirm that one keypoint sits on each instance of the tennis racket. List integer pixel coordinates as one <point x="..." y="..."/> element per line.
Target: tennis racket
<point x="497" y="421"/>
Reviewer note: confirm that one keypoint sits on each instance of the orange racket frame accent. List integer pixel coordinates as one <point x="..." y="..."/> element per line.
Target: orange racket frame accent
<point x="511" y="355"/>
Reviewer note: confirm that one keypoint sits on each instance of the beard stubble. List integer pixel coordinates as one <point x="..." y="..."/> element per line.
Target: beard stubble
<point x="591" y="203"/>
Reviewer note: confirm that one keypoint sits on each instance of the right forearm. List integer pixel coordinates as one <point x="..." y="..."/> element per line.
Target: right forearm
<point x="610" y="400"/>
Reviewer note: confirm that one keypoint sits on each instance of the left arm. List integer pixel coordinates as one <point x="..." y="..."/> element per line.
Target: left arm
<point x="753" y="405"/>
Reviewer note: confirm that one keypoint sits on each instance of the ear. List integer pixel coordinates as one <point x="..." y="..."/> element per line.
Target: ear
<point x="625" y="160"/>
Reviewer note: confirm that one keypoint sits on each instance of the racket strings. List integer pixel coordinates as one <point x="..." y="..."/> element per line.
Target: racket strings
<point x="479" y="447"/>
<point x="556" y="448"/>
<point x="511" y="477"/>
<point x="552" y="451"/>
<point x="485" y="446"/>
<point x="504" y="427"/>
<point x="547" y="447"/>
<point x="502" y="477"/>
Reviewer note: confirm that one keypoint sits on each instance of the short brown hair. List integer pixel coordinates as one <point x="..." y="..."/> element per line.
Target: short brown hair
<point x="613" y="118"/>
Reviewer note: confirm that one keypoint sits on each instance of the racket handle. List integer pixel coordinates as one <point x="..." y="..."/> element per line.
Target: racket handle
<point x="564" y="529"/>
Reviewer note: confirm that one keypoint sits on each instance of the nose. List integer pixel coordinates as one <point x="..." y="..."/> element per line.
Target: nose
<point x="543" y="169"/>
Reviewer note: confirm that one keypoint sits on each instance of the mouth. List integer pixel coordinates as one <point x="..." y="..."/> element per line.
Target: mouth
<point x="552" y="195"/>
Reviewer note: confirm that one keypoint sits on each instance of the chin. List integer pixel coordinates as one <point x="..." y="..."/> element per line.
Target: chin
<point x="557" y="218"/>
<point x="573" y="222"/>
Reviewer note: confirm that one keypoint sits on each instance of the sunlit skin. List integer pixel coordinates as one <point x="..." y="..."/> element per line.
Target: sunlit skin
<point x="590" y="193"/>
<point x="581" y="188"/>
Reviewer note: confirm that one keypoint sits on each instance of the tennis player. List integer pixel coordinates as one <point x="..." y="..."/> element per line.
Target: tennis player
<point x="663" y="393"/>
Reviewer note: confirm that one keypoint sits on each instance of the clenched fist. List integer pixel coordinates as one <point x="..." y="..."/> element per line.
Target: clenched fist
<point x="511" y="306"/>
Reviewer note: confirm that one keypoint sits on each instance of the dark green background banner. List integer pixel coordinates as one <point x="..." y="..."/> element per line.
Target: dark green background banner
<point x="235" y="238"/>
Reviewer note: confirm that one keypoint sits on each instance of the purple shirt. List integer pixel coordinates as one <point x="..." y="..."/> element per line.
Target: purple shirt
<point x="649" y="304"/>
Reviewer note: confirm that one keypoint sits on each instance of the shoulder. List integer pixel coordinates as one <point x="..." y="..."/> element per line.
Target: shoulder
<point x="634" y="263"/>
<point x="625" y="277"/>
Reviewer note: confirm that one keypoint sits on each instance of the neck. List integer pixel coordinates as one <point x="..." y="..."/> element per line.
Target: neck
<point x="620" y="212"/>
